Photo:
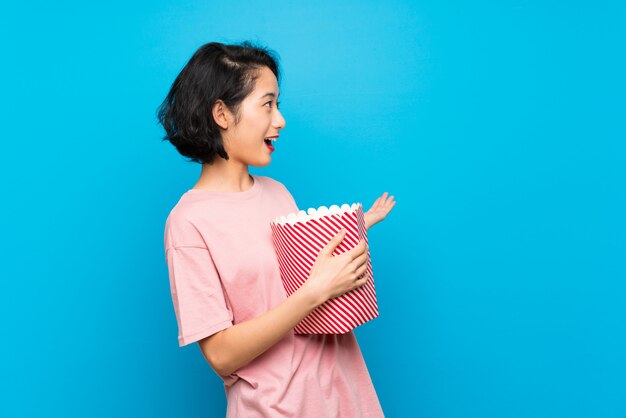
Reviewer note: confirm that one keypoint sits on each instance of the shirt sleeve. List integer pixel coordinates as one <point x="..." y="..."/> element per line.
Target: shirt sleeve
<point x="197" y="295"/>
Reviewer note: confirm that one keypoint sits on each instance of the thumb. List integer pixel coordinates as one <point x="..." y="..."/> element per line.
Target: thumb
<point x="334" y="242"/>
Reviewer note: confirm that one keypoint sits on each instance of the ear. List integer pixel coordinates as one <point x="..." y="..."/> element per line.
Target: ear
<point x="221" y="114"/>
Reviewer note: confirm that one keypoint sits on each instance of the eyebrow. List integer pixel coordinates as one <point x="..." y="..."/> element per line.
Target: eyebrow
<point x="269" y="94"/>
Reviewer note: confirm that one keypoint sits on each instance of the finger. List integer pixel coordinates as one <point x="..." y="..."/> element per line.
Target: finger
<point x="381" y="199"/>
<point x="389" y="203"/>
<point x="358" y="249"/>
<point x="361" y="260"/>
<point x="334" y="242"/>
<point x="354" y="267"/>
<point x="362" y="268"/>
<point x="361" y="280"/>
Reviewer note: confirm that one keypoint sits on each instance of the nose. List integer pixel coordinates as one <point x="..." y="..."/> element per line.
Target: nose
<point x="279" y="121"/>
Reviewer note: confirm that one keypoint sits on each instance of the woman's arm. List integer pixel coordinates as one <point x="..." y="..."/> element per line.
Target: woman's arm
<point x="331" y="276"/>
<point x="228" y="350"/>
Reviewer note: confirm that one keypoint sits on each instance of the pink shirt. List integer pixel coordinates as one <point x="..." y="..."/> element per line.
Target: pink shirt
<point x="223" y="271"/>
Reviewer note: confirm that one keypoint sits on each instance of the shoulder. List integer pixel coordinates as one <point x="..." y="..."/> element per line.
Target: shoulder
<point x="272" y="184"/>
<point x="180" y="226"/>
<point x="279" y="193"/>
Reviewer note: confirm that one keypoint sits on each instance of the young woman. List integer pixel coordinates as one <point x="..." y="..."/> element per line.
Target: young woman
<point x="222" y="112"/>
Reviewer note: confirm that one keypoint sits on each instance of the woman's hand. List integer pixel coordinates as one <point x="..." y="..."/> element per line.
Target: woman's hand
<point x="332" y="276"/>
<point x="379" y="210"/>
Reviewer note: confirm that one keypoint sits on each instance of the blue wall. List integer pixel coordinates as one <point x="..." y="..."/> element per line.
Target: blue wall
<point x="498" y="126"/>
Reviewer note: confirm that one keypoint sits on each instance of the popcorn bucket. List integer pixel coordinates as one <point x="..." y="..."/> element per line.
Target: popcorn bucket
<point x="298" y="239"/>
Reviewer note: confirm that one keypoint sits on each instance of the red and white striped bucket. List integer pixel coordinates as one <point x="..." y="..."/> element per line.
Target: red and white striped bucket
<point x="298" y="239"/>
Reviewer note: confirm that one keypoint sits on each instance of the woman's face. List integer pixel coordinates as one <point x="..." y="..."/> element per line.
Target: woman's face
<point x="260" y="118"/>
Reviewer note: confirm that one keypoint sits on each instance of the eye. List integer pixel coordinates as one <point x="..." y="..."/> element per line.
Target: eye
<point x="277" y="104"/>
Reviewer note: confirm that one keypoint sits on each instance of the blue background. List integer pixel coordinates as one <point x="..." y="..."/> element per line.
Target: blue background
<point x="498" y="126"/>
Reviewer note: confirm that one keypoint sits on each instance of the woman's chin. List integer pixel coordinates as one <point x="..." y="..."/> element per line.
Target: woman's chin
<point x="261" y="162"/>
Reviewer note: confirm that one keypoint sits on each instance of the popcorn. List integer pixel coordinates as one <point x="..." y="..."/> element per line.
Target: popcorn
<point x="298" y="239"/>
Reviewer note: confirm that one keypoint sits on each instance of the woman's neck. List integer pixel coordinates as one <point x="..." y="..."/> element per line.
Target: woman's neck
<point x="224" y="176"/>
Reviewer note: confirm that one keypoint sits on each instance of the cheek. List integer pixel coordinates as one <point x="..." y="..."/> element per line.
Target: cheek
<point x="255" y="122"/>
<point x="261" y="121"/>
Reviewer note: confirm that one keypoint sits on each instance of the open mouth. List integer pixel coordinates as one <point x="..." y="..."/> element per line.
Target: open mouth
<point x="270" y="143"/>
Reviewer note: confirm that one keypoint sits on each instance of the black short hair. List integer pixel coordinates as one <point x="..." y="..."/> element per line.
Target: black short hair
<point x="216" y="71"/>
